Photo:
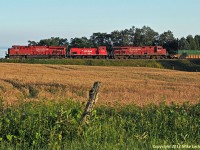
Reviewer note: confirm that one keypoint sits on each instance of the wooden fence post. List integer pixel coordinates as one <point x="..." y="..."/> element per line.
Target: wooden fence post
<point x="93" y="97"/>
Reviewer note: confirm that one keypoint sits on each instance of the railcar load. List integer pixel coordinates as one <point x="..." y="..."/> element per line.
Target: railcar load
<point x="189" y="54"/>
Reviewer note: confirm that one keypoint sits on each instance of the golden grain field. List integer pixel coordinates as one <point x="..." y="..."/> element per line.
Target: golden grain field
<point x="120" y="85"/>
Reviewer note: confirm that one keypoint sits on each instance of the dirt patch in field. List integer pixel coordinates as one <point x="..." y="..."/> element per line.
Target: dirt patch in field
<point x="120" y="85"/>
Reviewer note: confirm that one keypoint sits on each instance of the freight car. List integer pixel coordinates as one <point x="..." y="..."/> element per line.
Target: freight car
<point x="145" y="52"/>
<point x="189" y="54"/>
<point x="36" y="52"/>
<point x="99" y="52"/>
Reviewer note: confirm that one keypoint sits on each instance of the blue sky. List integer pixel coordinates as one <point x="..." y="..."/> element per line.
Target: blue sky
<point x="23" y="20"/>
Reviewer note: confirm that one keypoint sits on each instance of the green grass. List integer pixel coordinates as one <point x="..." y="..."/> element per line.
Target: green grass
<point x="192" y="65"/>
<point x="51" y="125"/>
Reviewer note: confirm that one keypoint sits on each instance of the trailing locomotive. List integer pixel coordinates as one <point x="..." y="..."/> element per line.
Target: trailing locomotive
<point x="36" y="52"/>
<point x="99" y="52"/>
<point x="146" y="52"/>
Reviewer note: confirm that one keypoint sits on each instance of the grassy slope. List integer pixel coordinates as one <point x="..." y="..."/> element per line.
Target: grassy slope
<point x="182" y="65"/>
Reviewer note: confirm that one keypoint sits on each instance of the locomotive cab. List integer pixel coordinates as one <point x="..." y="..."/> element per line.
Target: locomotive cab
<point x="158" y="49"/>
<point x="102" y="50"/>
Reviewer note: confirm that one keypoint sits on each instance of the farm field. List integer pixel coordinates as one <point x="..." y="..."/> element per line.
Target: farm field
<point x="41" y="107"/>
<point x="120" y="85"/>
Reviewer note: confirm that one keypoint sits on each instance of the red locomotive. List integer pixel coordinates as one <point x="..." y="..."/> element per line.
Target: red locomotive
<point x="150" y="52"/>
<point x="100" y="52"/>
<point x="36" y="52"/>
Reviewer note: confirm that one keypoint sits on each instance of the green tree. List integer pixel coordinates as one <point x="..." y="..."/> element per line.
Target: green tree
<point x="131" y="35"/>
<point x="116" y="38"/>
<point x="168" y="41"/>
<point x="32" y="43"/>
<point x="53" y="41"/>
<point x="123" y="37"/>
<point x="148" y="36"/>
<point x="166" y="37"/>
<point x="197" y="40"/>
<point x="183" y="44"/>
<point x="145" y="36"/>
<point x="192" y="42"/>
<point x="126" y="37"/>
<point x="81" y="42"/>
<point x="101" y="39"/>
<point x="138" y="37"/>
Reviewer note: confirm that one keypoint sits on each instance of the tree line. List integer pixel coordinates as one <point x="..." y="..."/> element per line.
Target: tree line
<point x="144" y="36"/>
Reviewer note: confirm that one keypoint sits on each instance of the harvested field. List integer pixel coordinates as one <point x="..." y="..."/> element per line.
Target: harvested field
<point x="120" y="85"/>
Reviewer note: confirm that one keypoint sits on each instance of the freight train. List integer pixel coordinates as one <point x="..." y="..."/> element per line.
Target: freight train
<point x="148" y="52"/>
<point x="129" y="52"/>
